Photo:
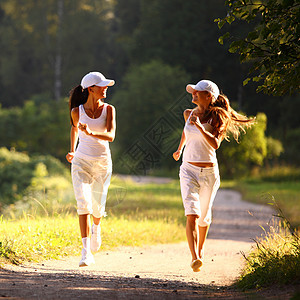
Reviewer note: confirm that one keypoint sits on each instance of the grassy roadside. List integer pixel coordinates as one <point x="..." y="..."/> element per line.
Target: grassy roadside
<point x="275" y="261"/>
<point x="134" y="219"/>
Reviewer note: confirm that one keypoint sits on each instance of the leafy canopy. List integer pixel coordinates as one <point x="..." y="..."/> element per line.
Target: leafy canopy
<point x="272" y="45"/>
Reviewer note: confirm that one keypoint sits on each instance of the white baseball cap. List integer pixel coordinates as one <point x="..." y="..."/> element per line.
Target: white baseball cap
<point x="204" y="85"/>
<point x="95" y="78"/>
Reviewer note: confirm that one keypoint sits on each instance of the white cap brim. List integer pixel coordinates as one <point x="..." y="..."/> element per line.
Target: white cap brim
<point x="190" y="88"/>
<point x="107" y="82"/>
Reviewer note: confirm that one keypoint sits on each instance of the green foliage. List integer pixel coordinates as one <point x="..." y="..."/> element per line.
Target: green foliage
<point x="25" y="179"/>
<point x="239" y="158"/>
<point x="49" y="45"/>
<point x="272" y="45"/>
<point x="276" y="258"/>
<point x="175" y="33"/>
<point x="274" y="148"/>
<point x="38" y="42"/>
<point x="40" y="126"/>
<point x="275" y="261"/>
<point x="172" y="32"/>
<point x="147" y="93"/>
<point x="7" y="252"/>
<point x="15" y="178"/>
<point x="36" y="239"/>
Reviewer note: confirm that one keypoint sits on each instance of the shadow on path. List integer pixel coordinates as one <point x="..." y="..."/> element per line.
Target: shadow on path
<point x="77" y="286"/>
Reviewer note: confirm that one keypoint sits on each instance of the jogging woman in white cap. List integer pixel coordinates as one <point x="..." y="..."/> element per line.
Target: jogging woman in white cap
<point x="94" y="123"/>
<point x="205" y="128"/>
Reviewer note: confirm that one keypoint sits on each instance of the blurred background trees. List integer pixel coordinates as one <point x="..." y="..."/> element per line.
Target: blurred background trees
<point x="152" y="49"/>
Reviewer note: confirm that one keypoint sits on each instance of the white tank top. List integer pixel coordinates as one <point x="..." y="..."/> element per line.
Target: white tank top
<point x="90" y="147"/>
<point x="197" y="149"/>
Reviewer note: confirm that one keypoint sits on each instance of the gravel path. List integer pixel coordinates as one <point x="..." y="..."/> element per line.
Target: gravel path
<point x="153" y="272"/>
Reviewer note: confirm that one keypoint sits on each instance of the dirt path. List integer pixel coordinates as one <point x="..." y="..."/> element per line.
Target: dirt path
<point x="152" y="272"/>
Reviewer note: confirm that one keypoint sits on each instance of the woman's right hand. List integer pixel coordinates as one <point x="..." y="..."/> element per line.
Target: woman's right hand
<point x="176" y="155"/>
<point x="70" y="156"/>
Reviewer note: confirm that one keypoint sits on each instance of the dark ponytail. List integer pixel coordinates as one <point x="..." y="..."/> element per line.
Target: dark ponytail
<point x="77" y="97"/>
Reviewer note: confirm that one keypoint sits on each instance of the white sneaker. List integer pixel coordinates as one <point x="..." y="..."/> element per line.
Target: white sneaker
<point x="96" y="238"/>
<point x="86" y="259"/>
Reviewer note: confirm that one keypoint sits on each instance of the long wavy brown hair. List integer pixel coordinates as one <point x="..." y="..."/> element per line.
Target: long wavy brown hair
<point x="226" y="120"/>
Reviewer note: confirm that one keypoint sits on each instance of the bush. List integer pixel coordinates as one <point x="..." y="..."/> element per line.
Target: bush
<point x="40" y="126"/>
<point x="275" y="260"/>
<point x="15" y="175"/>
<point x="26" y="181"/>
<point x="239" y="158"/>
<point x="144" y="120"/>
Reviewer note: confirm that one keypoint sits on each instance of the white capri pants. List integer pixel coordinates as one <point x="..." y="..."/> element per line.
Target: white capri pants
<point x="91" y="179"/>
<point x="198" y="190"/>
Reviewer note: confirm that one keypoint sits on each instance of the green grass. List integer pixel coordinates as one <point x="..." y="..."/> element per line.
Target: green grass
<point x="276" y="258"/>
<point x="274" y="262"/>
<point x="137" y="215"/>
<point x="35" y="239"/>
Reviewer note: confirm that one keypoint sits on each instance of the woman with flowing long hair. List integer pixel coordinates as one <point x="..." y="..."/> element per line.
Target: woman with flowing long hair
<point x="206" y="126"/>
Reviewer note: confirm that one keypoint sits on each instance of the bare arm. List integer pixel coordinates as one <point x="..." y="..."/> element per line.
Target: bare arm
<point x="109" y="135"/>
<point x="177" y="153"/>
<point x="73" y="134"/>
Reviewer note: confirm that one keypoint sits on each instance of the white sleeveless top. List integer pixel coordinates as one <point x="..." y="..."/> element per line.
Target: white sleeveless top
<point x="197" y="149"/>
<point x="90" y="147"/>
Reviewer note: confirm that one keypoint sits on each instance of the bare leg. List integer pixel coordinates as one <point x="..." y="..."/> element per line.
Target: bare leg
<point x="202" y="237"/>
<point x="85" y="226"/>
<point x="192" y="234"/>
<point x="96" y="220"/>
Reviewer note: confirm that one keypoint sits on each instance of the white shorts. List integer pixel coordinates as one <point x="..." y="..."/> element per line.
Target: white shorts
<point x="198" y="190"/>
<point x="91" y="179"/>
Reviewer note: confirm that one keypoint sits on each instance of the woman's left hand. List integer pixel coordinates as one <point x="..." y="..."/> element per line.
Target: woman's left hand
<point x="194" y="119"/>
<point x="84" y="127"/>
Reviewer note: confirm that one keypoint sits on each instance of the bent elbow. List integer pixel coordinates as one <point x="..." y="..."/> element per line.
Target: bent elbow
<point x="216" y="146"/>
<point x="111" y="138"/>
